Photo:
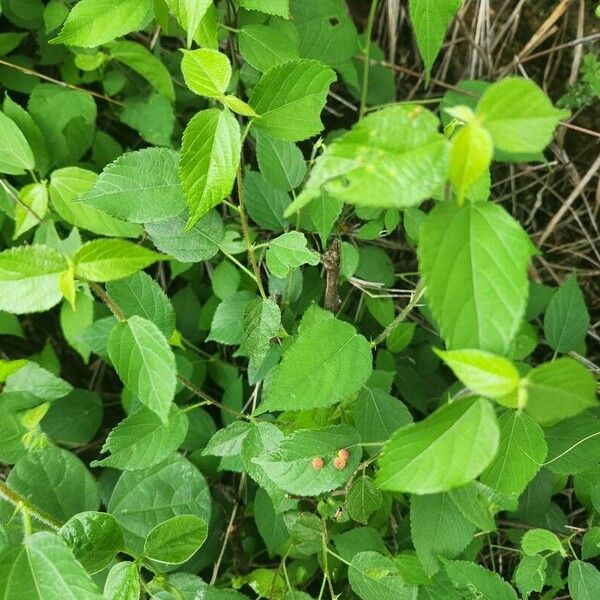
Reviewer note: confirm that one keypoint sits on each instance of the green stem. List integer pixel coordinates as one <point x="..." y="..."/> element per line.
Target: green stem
<point x="367" y="64"/>
<point x="235" y="261"/>
<point x="99" y="291"/>
<point x="22" y="504"/>
<point x="417" y="294"/>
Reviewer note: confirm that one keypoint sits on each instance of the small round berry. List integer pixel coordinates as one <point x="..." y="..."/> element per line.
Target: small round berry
<point x="317" y="463"/>
<point x="339" y="463"/>
<point x="343" y="453"/>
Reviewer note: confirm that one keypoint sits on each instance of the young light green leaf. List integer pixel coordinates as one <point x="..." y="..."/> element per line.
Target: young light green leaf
<point x="143" y="499"/>
<point x="41" y="568"/>
<point x="16" y="156"/>
<point x="189" y="14"/>
<point x="558" y="390"/>
<point x="290" y="465"/>
<point x="449" y="448"/>
<point x="567" y="319"/>
<point x="143" y="62"/>
<point x="280" y="8"/>
<point x="430" y="19"/>
<point x="95" y="538"/>
<point x="30" y="278"/>
<point x="289" y="99"/>
<point x="123" y="582"/>
<point x="518" y="115"/>
<point x="530" y="574"/>
<point x="327" y="362"/>
<point x="33" y="380"/>
<point x="281" y="163"/>
<point x="537" y="541"/>
<point x="206" y="72"/>
<point x="140" y="295"/>
<point x="376" y="577"/>
<point x="482" y="372"/>
<point x="108" y="259"/>
<point x="439" y="529"/>
<point x="142" y="440"/>
<point x="471" y="309"/>
<point x="470" y="156"/>
<point x="94" y="22"/>
<point x="584" y="580"/>
<point x="264" y="47"/>
<point x="289" y="251"/>
<point x="521" y="452"/>
<point x="363" y="499"/>
<point x="145" y="363"/>
<point x="400" y="143"/>
<point x="210" y="155"/>
<point x="140" y="187"/>
<point x="260" y="322"/>
<point x="66" y="186"/>
<point x="174" y="541"/>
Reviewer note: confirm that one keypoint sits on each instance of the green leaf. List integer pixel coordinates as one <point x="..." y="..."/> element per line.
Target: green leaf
<point x="140" y="295"/>
<point x="94" y="22"/>
<point x="175" y="540"/>
<point x="328" y="362"/>
<point x="228" y="441"/>
<point x="66" y="186"/>
<point x="536" y="541"/>
<point x="559" y="390"/>
<point x="43" y="568"/>
<point x="483" y="373"/>
<point x="206" y="72"/>
<point x="260" y="322"/>
<point x="33" y="199"/>
<point x="449" y="448"/>
<point x="281" y="163"/>
<point x="143" y="499"/>
<point x="574" y="444"/>
<point x="264" y="203"/>
<point x="289" y="251"/>
<point x="590" y="543"/>
<point x="227" y="325"/>
<point x="30" y="279"/>
<point x="145" y="363"/>
<point x="264" y="47"/>
<point x="470" y="156"/>
<point x="439" y="529"/>
<point x="530" y="574"/>
<point x="55" y="482"/>
<point x="33" y="380"/>
<point x="567" y="319"/>
<point x="521" y="452"/>
<point x="189" y="14"/>
<point x="584" y="580"/>
<point x="140" y="187"/>
<point x="376" y="577"/>
<point x="210" y="156"/>
<point x="77" y="318"/>
<point x="289" y="99"/>
<point x="280" y="8"/>
<point x="153" y="118"/>
<point x="472" y="308"/>
<point x="290" y="465"/>
<point x="377" y="415"/>
<point x="199" y="243"/>
<point x="430" y="19"/>
<point x="401" y="144"/>
<point x="518" y="115"/>
<point x="95" y="538"/>
<point x="473" y="578"/>
<point x="106" y="259"/>
<point x="363" y="499"/>
<point x="143" y="62"/>
<point x="142" y="440"/>
<point x="15" y="153"/>
<point x="123" y="582"/>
